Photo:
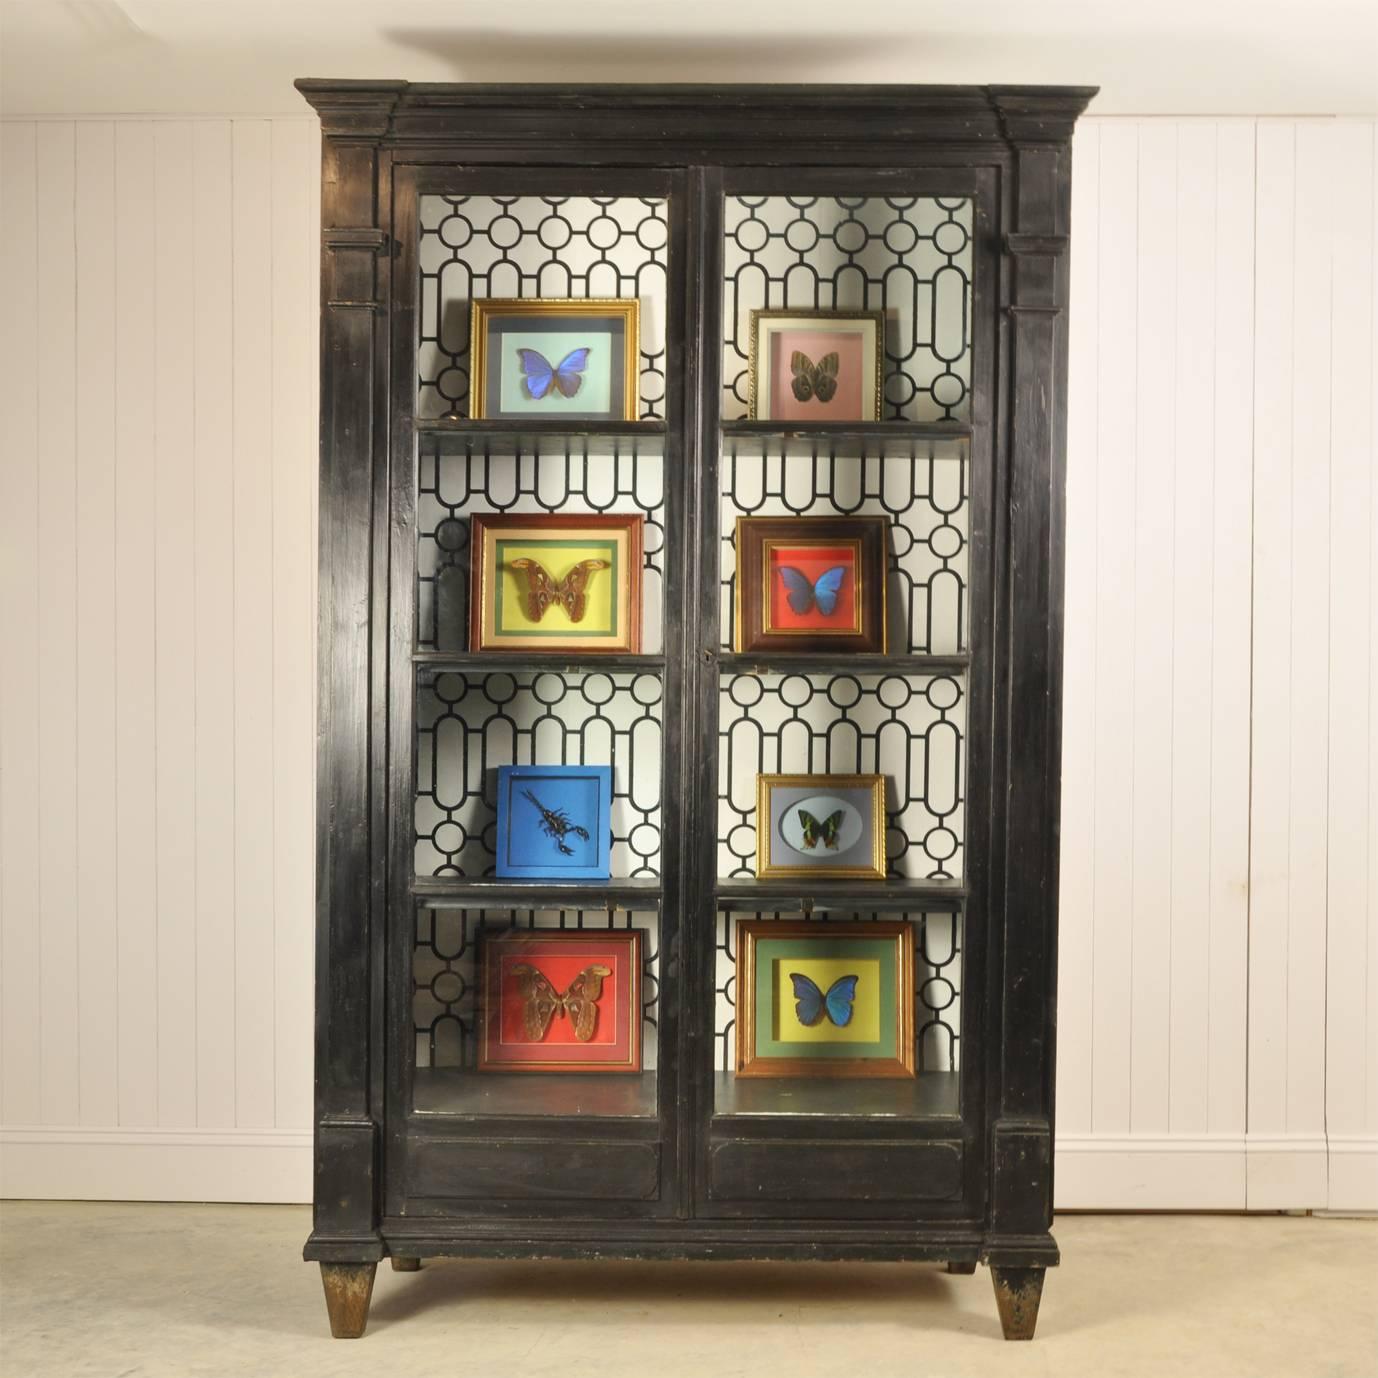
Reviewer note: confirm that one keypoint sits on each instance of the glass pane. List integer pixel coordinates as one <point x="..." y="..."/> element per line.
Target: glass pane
<point x="923" y="488"/>
<point x="470" y="723"/>
<point x="474" y="247"/>
<point x="909" y="257"/>
<point x="461" y="475"/>
<point x="909" y="728"/>
<point x="447" y="1010"/>
<point x="934" y="1090"/>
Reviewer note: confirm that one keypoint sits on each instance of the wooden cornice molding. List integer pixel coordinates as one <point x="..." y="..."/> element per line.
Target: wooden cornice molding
<point x="688" y="115"/>
<point x="352" y="109"/>
<point x="1039" y="114"/>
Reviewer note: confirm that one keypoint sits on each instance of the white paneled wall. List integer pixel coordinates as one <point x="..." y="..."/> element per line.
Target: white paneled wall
<point x="1218" y="1034"/>
<point x="1218" y="1043"/>
<point x="1351" y="880"/>
<point x="158" y="392"/>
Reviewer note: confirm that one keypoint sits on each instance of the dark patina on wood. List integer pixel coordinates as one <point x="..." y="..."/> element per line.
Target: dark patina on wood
<point x="348" y="1290"/>
<point x="960" y="1174"/>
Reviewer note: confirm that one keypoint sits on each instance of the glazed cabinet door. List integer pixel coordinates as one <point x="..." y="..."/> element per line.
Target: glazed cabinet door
<point x="538" y="555"/>
<point x="844" y="693"/>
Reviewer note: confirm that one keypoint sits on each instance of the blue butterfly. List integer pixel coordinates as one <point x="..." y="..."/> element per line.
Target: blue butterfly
<point x="811" y="1003"/>
<point x="803" y="593"/>
<point x="567" y="375"/>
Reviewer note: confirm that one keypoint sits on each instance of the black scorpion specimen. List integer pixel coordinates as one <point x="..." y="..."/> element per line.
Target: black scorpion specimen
<point x="556" y="824"/>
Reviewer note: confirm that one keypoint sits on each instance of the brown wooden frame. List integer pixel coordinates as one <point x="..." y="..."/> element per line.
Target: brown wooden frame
<point x="633" y="523"/>
<point x="901" y="932"/>
<point x="755" y="536"/>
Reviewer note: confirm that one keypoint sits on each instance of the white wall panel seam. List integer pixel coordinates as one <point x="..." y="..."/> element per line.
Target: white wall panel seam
<point x="1253" y="651"/>
<point x="234" y="649"/>
<point x="274" y="459"/>
<point x="153" y="231"/>
<point x="196" y="631"/>
<point x="76" y="585"/>
<point x="1214" y="668"/>
<point x="1134" y="620"/>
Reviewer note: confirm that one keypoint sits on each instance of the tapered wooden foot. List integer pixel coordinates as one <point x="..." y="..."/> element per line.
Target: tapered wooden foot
<point x="1017" y="1294"/>
<point x="405" y="1265"/>
<point x="348" y="1290"/>
<point x="966" y="1269"/>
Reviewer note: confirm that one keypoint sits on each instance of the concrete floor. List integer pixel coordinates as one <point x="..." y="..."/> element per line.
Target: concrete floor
<point x="122" y="1291"/>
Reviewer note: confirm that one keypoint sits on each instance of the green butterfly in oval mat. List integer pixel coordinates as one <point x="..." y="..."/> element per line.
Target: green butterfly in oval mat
<point x="827" y="830"/>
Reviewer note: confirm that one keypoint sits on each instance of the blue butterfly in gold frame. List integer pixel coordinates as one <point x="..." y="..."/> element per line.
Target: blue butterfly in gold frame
<point x="541" y="376"/>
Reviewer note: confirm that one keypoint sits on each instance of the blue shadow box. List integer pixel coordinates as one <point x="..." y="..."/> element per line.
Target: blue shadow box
<point x="554" y="822"/>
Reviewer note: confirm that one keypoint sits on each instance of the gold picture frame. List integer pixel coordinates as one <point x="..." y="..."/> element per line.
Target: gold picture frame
<point x="505" y="393"/>
<point x="862" y="401"/>
<point x="792" y="839"/>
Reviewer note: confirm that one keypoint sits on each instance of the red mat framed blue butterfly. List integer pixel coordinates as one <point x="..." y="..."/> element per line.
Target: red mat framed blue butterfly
<point x="809" y="584"/>
<point x="554" y="359"/>
<point x="825" y="999"/>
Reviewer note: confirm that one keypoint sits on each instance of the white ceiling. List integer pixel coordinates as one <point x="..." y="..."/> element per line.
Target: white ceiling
<point x="239" y="56"/>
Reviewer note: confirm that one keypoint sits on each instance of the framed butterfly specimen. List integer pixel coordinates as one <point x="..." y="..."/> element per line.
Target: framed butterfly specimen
<point x="554" y="822"/>
<point x="825" y="999"/>
<point x="554" y="359"/>
<point x="564" y="1000"/>
<point x="555" y="583"/>
<point x="816" y="366"/>
<point x="825" y="826"/>
<point x="811" y="584"/>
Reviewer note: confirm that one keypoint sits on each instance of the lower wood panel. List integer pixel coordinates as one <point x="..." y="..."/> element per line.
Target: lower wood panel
<point x="835" y="1170"/>
<point x="533" y="1170"/>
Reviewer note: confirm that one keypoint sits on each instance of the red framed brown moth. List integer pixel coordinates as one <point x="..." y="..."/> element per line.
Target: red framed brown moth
<point x="561" y="1000"/>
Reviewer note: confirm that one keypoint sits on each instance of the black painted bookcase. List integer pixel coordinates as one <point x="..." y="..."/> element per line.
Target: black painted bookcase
<point x="946" y="208"/>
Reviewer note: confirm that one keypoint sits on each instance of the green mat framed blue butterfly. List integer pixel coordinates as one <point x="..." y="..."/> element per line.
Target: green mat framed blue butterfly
<point x="812" y="1004"/>
<point x="554" y="359"/>
<point x="812" y="584"/>
<point x="825" y="999"/>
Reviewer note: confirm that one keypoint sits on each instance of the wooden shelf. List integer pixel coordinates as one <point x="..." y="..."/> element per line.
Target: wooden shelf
<point x="779" y="663"/>
<point x="798" y="893"/>
<point x="930" y="1095"/>
<point x="460" y="435"/>
<point x="464" y="662"/>
<point x="850" y="432"/>
<point x="491" y="892"/>
<point x="450" y="1091"/>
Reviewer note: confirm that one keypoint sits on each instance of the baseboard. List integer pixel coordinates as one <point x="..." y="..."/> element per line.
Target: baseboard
<point x="1353" y="1172"/>
<point x="93" y="1164"/>
<point x="1150" y="1172"/>
<point x="1287" y="1172"/>
<point x="1094" y="1171"/>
